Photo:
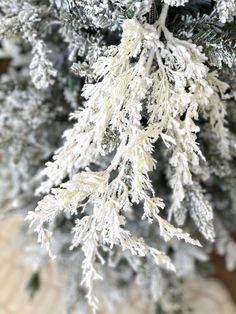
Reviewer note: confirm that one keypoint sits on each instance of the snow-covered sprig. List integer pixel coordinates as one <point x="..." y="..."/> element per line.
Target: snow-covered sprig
<point x="167" y="80"/>
<point x="208" y="32"/>
<point x="102" y="14"/>
<point x="24" y="22"/>
<point x="216" y="112"/>
<point x="226" y="10"/>
<point x="200" y="211"/>
<point x="41" y="68"/>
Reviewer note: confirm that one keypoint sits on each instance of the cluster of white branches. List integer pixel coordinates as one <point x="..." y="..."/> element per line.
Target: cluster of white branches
<point x="169" y="80"/>
<point x="151" y="110"/>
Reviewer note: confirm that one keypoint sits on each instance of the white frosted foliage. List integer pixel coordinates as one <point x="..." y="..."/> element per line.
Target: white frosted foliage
<point x="226" y="10"/>
<point x="41" y="68"/>
<point x="174" y="77"/>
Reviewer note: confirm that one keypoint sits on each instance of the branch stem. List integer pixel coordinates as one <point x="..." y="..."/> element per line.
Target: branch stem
<point x="163" y="15"/>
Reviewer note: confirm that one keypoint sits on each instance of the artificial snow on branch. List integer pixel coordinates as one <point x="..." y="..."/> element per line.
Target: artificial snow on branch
<point x="153" y="127"/>
<point x="24" y="20"/>
<point x="153" y="74"/>
<point x="226" y="10"/>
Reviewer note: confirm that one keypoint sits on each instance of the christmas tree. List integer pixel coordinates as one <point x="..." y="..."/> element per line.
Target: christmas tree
<point x="118" y="141"/>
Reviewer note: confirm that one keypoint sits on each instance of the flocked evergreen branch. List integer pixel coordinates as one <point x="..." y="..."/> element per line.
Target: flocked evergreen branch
<point x="217" y="40"/>
<point x="173" y="76"/>
<point x="226" y="10"/>
<point x="24" y="21"/>
<point x="155" y="114"/>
